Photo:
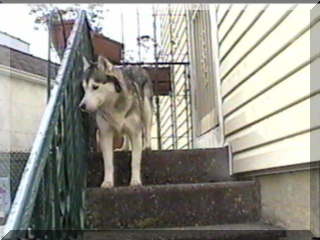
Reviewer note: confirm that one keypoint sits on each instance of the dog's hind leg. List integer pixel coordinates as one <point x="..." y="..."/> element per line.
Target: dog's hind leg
<point x="147" y="124"/>
<point x="106" y="145"/>
<point x="136" y="143"/>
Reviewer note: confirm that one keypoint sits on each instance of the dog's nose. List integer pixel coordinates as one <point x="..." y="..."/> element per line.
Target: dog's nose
<point x="83" y="106"/>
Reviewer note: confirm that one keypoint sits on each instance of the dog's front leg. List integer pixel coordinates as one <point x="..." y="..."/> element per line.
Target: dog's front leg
<point x="106" y="145"/>
<point x="136" y="140"/>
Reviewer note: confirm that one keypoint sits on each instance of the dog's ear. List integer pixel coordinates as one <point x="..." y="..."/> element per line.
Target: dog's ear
<point x="104" y="64"/>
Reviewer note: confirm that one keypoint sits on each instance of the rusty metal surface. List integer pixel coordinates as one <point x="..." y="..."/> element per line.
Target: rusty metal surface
<point x="163" y="167"/>
<point x="107" y="47"/>
<point x="162" y="76"/>
<point x="173" y="205"/>
<point x="104" y="46"/>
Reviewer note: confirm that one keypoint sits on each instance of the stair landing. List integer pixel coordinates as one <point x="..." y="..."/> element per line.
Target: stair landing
<point x="166" y="167"/>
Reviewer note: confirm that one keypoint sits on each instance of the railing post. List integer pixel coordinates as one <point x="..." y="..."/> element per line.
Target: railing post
<point x="49" y="57"/>
<point x="156" y="56"/>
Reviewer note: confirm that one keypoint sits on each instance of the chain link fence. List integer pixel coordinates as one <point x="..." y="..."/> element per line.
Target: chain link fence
<point x="12" y="165"/>
<point x="11" y="168"/>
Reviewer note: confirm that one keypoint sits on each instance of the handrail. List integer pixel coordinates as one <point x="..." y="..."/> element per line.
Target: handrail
<point x="59" y="151"/>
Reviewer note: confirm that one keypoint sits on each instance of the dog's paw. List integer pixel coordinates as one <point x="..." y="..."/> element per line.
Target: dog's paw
<point x="107" y="184"/>
<point x="135" y="183"/>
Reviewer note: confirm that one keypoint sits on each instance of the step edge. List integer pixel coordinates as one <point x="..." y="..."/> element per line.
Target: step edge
<point x="186" y="185"/>
<point x="259" y="227"/>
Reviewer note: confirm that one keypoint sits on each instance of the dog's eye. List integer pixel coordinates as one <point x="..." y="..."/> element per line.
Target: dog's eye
<point x="94" y="87"/>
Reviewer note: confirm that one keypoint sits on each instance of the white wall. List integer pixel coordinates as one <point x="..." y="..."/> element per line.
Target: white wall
<point x="22" y="102"/>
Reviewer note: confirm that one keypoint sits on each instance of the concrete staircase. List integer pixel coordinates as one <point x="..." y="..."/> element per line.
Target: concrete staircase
<point x="187" y="194"/>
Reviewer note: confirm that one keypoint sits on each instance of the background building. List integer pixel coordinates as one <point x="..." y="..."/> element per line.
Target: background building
<point x="22" y="102"/>
<point x="22" y="94"/>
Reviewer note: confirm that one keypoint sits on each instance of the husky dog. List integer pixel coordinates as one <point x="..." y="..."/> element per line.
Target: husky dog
<point x="121" y="97"/>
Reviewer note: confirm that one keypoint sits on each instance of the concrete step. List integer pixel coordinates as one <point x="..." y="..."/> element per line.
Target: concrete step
<point x="250" y="231"/>
<point x="163" y="167"/>
<point x="173" y="205"/>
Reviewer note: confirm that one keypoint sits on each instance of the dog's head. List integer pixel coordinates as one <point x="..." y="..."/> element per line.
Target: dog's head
<point x="100" y="83"/>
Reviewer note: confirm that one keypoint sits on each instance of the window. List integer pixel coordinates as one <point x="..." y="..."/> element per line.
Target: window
<point x="205" y="112"/>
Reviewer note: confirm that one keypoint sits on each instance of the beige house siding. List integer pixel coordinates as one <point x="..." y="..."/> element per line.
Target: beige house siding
<point x="266" y="87"/>
<point x="175" y="48"/>
<point x="178" y="36"/>
<point x="264" y="81"/>
<point x="265" y="64"/>
<point x="22" y="102"/>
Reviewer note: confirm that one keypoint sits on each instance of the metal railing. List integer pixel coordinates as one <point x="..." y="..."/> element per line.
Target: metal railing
<point x="50" y="195"/>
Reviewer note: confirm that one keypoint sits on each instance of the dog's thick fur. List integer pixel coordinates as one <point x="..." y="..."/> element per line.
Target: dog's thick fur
<point x="121" y="97"/>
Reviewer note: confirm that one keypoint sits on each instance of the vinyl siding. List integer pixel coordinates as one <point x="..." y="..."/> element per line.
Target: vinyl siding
<point x="265" y="62"/>
<point x="175" y="110"/>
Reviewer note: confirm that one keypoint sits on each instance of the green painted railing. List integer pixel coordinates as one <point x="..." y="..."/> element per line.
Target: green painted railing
<point x="51" y="192"/>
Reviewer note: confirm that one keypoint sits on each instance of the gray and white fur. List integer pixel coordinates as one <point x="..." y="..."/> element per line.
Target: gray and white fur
<point x="121" y="97"/>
